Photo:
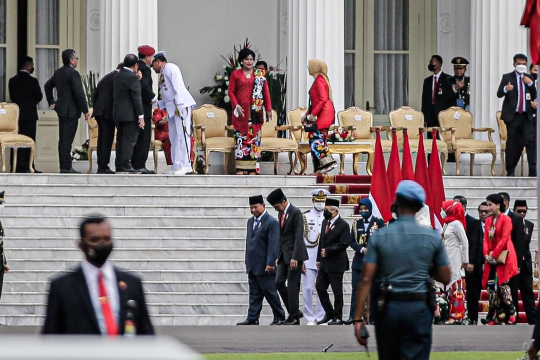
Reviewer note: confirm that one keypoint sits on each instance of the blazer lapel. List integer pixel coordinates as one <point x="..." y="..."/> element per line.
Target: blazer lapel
<point x="82" y="289"/>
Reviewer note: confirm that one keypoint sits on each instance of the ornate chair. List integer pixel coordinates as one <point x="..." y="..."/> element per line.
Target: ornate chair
<point x="407" y="117"/>
<point x="210" y="124"/>
<point x="461" y="139"/>
<point x="9" y="138"/>
<point x="272" y="143"/>
<point x="155" y="146"/>
<point x="503" y="136"/>
<point x="362" y="122"/>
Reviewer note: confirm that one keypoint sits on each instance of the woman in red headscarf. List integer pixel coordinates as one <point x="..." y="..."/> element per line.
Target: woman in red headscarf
<point x="457" y="250"/>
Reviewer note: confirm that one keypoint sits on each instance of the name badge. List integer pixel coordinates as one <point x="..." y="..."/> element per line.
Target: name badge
<point x="440" y="91"/>
<point x="210" y="115"/>
<point x="358" y="117"/>
<point x="528" y="96"/>
<point x="408" y="117"/>
<point x="457" y="115"/>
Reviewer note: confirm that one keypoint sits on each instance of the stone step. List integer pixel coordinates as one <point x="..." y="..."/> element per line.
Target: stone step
<point x="489" y="181"/>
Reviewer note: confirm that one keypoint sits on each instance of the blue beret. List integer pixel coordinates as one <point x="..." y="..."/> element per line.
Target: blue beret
<point x="411" y="190"/>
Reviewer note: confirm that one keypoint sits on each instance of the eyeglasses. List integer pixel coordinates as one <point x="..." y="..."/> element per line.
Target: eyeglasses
<point x="483" y="211"/>
<point x="521" y="211"/>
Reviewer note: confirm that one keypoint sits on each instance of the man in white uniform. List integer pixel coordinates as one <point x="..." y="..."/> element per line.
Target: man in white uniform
<point x="176" y="99"/>
<point x="312" y="229"/>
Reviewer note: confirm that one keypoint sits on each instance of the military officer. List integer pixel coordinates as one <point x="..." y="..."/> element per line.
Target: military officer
<point x="361" y="230"/>
<point x="313" y="219"/>
<point x="179" y="103"/>
<point x="4" y="268"/>
<point x="457" y="89"/>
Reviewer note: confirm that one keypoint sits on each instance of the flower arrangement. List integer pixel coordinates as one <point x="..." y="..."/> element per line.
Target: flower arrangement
<point x="89" y="82"/>
<point x="340" y="134"/>
<point x="200" y="165"/>
<point x="80" y="152"/>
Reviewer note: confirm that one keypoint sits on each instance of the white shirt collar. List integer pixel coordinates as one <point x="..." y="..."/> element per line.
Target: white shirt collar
<point x="334" y="220"/>
<point x="507" y="211"/>
<point x="259" y="218"/>
<point x="26" y="71"/>
<point x="287" y="208"/>
<point x="438" y="74"/>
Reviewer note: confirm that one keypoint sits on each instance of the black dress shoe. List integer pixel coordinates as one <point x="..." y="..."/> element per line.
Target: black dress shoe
<point x="300" y="314"/>
<point x="277" y="322"/>
<point x="127" y="171"/>
<point x="249" y="322"/>
<point x="511" y="174"/>
<point x="349" y="321"/>
<point x="37" y="171"/>
<point x="145" y="171"/>
<point x="335" y="322"/>
<point x="105" y="171"/>
<point x="291" y="321"/>
<point x="324" y="320"/>
<point x="69" y="171"/>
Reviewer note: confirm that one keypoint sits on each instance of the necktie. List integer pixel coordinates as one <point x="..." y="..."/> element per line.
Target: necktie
<point x="255" y="224"/>
<point x="110" y="322"/>
<point x="282" y="221"/>
<point x="435" y="88"/>
<point x="521" y="96"/>
<point x="327" y="228"/>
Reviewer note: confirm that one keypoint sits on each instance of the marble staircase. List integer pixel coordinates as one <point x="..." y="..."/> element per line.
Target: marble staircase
<point x="185" y="236"/>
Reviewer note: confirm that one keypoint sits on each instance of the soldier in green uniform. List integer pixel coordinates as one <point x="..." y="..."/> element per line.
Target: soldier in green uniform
<point x="361" y="230"/>
<point x="4" y="268"/>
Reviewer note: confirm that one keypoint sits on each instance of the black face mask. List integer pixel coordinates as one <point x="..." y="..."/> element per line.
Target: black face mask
<point x="535" y="76"/>
<point x="32" y="70"/>
<point x="99" y="254"/>
<point x="327" y="214"/>
<point x="431" y="67"/>
<point x="460" y="78"/>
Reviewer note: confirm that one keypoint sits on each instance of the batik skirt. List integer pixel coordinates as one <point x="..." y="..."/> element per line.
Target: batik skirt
<point x="320" y="154"/>
<point x="247" y="151"/>
<point x="501" y="305"/>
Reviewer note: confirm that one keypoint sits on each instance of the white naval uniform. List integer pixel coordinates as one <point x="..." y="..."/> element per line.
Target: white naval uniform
<point x="314" y="220"/>
<point x="175" y="96"/>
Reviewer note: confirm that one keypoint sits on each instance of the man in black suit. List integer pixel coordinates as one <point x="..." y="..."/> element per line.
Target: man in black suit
<point x="128" y="113"/>
<point x="332" y="262"/>
<point x="474" y="270"/>
<point x="97" y="297"/>
<point x="525" y="274"/>
<point x="432" y="92"/>
<point x="103" y="112"/>
<point x="69" y="105"/>
<point x="291" y="255"/>
<point x="518" y="90"/>
<point x="24" y="90"/>
<point x="140" y="152"/>
<point x="262" y="243"/>
<point x="456" y="89"/>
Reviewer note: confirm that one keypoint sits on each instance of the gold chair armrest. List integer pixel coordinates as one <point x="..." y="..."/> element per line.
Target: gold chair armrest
<point x="445" y="129"/>
<point x="453" y="130"/>
<point x="285" y="127"/>
<point x="490" y="130"/>
<point x="229" y="127"/>
<point x="203" y="134"/>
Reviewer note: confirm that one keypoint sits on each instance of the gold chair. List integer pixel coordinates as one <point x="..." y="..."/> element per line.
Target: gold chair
<point x="272" y="143"/>
<point x="362" y="122"/>
<point x="407" y="117"/>
<point x="155" y="146"/>
<point x="9" y="138"/>
<point x="210" y="124"/>
<point x="461" y="140"/>
<point x="503" y="136"/>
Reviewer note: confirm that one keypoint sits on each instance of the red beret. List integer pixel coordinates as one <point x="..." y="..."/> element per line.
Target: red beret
<point x="146" y="50"/>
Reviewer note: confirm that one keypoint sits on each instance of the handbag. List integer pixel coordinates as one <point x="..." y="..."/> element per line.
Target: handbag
<point x="502" y="256"/>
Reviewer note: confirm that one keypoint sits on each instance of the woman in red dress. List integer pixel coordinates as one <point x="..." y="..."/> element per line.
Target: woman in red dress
<point x="496" y="277"/>
<point x="320" y="117"/>
<point x="161" y="132"/>
<point x="250" y="99"/>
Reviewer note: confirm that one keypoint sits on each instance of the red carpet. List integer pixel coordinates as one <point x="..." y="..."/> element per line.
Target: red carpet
<point x="344" y="179"/>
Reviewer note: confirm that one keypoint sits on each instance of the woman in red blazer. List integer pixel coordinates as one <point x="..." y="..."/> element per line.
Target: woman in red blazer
<point x="320" y="117"/>
<point x="250" y="99"/>
<point x="497" y="238"/>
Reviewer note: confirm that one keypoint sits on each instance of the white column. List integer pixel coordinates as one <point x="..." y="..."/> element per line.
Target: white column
<point x="124" y="26"/>
<point x="315" y="31"/>
<point x="453" y="31"/>
<point x="496" y="38"/>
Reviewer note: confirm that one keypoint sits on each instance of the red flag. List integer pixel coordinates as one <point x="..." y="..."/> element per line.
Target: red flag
<point x="394" y="168"/>
<point x="436" y="181"/>
<point x="531" y="19"/>
<point x="421" y="173"/>
<point x="407" y="172"/>
<point x="379" y="193"/>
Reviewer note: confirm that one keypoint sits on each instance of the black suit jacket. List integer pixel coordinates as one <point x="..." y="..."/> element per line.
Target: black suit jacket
<point x="70" y="101"/>
<point x="147" y="92"/>
<point x="291" y="241"/>
<point x="261" y="244"/>
<point x="335" y="243"/>
<point x="70" y="309"/>
<point x="476" y="242"/>
<point x="451" y="97"/>
<point x="529" y="227"/>
<point x="127" y="96"/>
<point x="427" y="94"/>
<point x="510" y="101"/>
<point x="24" y="90"/>
<point x="518" y="236"/>
<point x="103" y="97"/>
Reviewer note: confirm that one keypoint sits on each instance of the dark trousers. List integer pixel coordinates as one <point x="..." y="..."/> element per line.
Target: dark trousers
<point x="67" y="128"/>
<point x="126" y="137"/>
<point x="404" y="331"/>
<point x="104" y="142"/>
<point x="521" y="133"/>
<point x="142" y="147"/>
<point x="335" y="280"/>
<point x="27" y="128"/>
<point x="289" y="292"/>
<point x="523" y="283"/>
<point x="356" y="273"/>
<point x="474" y="288"/>
<point x="263" y="287"/>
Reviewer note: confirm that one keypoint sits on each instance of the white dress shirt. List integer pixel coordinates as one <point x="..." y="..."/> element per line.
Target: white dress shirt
<point x="109" y="276"/>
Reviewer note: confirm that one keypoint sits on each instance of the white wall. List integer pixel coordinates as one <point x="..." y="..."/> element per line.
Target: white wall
<point x="196" y="33"/>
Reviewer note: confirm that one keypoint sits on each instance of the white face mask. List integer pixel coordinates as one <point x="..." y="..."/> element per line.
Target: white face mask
<point x="443" y="214"/>
<point x="319" y="206"/>
<point x="521" y="69"/>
